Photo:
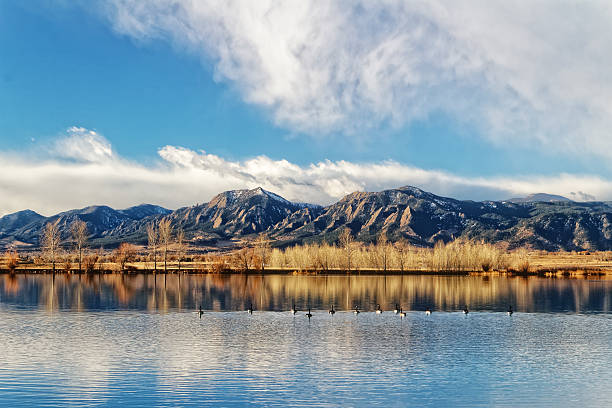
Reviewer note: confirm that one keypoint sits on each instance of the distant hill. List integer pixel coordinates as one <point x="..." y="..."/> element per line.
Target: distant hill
<point x="539" y="197"/>
<point x="18" y="220"/>
<point x="539" y="221"/>
<point x="101" y="221"/>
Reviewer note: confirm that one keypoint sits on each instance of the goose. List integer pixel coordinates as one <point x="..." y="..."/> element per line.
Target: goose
<point x="465" y="310"/>
<point x="356" y="311"/>
<point x="510" y="311"/>
<point x="293" y="309"/>
<point x="397" y="309"/>
<point x="402" y="313"/>
<point x="428" y="311"/>
<point x="250" y="309"/>
<point x="331" y="311"/>
<point x="308" y="315"/>
<point x="378" y="309"/>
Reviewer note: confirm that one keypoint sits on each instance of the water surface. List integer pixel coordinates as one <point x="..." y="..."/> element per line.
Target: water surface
<point x="110" y="340"/>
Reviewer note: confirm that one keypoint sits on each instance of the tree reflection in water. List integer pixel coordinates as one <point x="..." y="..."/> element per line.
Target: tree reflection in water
<point x="278" y="292"/>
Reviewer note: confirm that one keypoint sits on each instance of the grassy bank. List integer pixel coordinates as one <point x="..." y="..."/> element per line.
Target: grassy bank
<point x="381" y="258"/>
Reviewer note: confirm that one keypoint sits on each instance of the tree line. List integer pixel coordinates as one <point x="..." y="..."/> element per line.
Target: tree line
<point x="161" y="240"/>
<point x="344" y="254"/>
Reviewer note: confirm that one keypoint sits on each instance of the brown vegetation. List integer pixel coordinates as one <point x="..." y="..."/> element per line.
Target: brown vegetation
<point x="90" y="262"/>
<point x="50" y="242"/>
<point x="180" y="247"/>
<point x="79" y="233"/>
<point x="243" y="259"/>
<point x="152" y="243"/>
<point x="67" y="265"/>
<point x="124" y="254"/>
<point x="346" y="256"/>
<point x="262" y="254"/>
<point x="346" y="242"/>
<point x="164" y="229"/>
<point x="12" y="260"/>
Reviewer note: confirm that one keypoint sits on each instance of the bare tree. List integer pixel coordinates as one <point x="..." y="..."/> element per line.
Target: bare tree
<point x="262" y="245"/>
<point x="346" y="242"/>
<point x="101" y="258"/>
<point x="153" y="242"/>
<point x="50" y="241"/>
<point x="90" y="261"/>
<point x="383" y="249"/>
<point x="124" y="254"/>
<point x="324" y="254"/>
<point x="244" y="258"/>
<point x="79" y="234"/>
<point x="165" y="234"/>
<point x="181" y="247"/>
<point x="402" y="251"/>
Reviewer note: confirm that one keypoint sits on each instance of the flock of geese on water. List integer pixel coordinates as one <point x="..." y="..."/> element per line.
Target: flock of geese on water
<point x="398" y="310"/>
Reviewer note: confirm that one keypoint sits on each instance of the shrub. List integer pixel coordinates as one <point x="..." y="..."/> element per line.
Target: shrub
<point x="218" y="265"/>
<point x="89" y="262"/>
<point x="12" y="260"/>
<point x="521" y="260"/>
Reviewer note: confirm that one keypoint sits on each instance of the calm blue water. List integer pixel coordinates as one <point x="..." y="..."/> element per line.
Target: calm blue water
<point x="134" y="341"/>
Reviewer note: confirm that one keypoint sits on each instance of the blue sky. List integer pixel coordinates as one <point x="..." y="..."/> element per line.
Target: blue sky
<point x="436" y="98"/>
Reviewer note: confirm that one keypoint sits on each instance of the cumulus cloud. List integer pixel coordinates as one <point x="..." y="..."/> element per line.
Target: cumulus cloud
<point x="94" y="174"/>
<point x="83" y="145"/>
<point x="531" y="73"/>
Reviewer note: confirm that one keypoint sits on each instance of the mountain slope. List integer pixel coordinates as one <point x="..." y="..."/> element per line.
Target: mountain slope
<point x="539" y="197"/>
<point x="228" y="215"/>
<point x="101" y="220"/>
<point x="12" y="222"/>
<point x="406" y="213"/>
<point x="423" y="218"/>
<point x="412" y="214"/>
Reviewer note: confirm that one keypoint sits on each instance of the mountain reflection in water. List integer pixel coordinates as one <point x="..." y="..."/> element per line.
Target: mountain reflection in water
<point x="278" y="292"/>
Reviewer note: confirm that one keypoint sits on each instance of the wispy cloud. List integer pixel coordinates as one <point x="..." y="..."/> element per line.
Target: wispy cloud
<point x="533" y="73"/>
<point x="94" y="174"/>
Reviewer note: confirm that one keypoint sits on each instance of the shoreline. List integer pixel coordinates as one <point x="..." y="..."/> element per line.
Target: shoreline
<point x="563" y="271"/>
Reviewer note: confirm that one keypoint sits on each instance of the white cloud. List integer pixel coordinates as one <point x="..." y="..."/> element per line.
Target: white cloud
<point x="184" y="177"/>
<point x="83" y="145"/>
<point x="533" y="73"/>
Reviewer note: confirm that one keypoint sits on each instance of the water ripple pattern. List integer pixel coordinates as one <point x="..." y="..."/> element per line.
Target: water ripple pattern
<point x="109" y="349"/>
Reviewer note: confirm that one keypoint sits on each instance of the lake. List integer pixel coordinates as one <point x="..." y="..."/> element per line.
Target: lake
<point x="137" y="340"/>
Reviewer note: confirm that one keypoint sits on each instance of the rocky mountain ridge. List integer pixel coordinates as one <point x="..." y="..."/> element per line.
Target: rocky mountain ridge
<point x="405" y="213"/>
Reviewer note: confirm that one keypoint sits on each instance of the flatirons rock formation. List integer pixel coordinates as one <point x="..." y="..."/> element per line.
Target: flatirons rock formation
<point x="239" y="213"/>
<point x="407" y="213"/>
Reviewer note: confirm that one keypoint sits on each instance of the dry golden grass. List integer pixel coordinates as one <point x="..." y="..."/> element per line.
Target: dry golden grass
<point x="384" y="257"/>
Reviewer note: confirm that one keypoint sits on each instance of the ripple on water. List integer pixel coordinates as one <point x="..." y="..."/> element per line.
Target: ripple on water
<point x="132" y="355"/>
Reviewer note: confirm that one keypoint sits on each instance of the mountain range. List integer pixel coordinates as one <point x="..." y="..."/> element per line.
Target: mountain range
<point x="540" y="221"/>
